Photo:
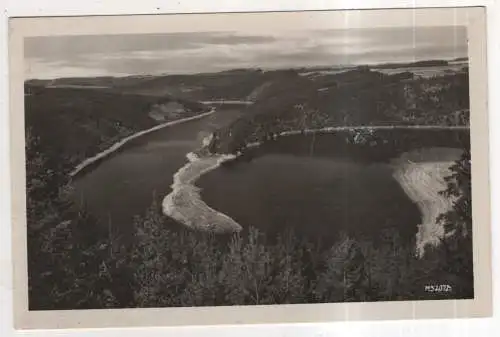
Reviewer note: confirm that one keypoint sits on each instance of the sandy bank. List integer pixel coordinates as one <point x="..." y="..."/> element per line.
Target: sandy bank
<point x="421" y="174"/>
<point x="372" y="127"/>
<point x="113" y="148"/>
<point x="185" y="204"/>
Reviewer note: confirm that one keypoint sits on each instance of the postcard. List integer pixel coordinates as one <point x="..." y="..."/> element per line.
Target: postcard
<point x="242" y="168"/>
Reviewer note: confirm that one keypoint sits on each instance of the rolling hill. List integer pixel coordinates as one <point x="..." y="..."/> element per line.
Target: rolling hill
<point x="72" y="124"/>
<point x="355" y="97"/>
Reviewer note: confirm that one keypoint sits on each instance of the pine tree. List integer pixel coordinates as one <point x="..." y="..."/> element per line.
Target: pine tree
<point x="457" y="242"/>
<point x="67" y="258"/>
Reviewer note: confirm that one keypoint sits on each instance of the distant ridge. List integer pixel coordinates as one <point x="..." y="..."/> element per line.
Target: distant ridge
<point x="120" y="78"/>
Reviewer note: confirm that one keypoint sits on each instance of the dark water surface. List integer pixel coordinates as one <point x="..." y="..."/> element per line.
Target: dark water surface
<point x="126" y="184"/>
<point x="318" y="185"/>
<point x="315" y="196"/>
<point x="323" y="184"/>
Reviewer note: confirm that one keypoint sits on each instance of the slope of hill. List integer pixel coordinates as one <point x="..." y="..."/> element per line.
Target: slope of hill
<point x="228" y="85"/>
<point x="93" y="113"/>
<point x="352" y="98"/>
<point x="73" y="124"/>
<point x="427" y="63"/>
<point x="76" y="118"/>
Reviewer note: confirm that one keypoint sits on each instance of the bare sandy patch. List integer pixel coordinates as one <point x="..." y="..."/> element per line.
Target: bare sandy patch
<point x="421" y="174"/>
<point x="185" y="204"/>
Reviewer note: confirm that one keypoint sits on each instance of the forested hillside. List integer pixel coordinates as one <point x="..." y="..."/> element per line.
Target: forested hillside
<point x="72" y="124"/>
<point x="352" y="98"/>
<point x="76" y="261"/>
<point x="228" y="85"/>
<point x="76" y="264"/>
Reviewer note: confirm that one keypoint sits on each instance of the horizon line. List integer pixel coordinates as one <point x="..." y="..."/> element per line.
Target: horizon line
<point x="338" y="66"/>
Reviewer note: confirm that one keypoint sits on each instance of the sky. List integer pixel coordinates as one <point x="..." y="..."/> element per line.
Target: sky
<point x="196" y="52"/>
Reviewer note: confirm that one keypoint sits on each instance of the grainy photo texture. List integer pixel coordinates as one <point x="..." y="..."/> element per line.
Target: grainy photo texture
<point x="233" y="167"/>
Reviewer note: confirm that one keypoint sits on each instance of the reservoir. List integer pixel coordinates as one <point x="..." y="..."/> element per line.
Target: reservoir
<point x="319" y="185"/>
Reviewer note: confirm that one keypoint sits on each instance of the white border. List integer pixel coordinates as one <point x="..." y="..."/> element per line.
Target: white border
<point x="479" y="327"/>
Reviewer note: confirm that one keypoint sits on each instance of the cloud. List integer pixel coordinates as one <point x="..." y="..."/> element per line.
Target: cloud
<point x="50" y="47"/>
<point x="50" y="57"/>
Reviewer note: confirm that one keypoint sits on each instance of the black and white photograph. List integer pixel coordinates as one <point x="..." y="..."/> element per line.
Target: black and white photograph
<point x="243" y="166"/>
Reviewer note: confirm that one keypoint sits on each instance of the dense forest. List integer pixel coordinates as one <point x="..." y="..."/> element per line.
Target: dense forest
<point x="76" y="123"/>
<point x="359" y="97"/>
<point x="76" y="262"/>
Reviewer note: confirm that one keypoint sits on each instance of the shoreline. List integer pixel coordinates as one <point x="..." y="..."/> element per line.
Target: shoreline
<point x="329" y="129"/>
<point x="185" y="204"/>
<point x="116" y="146"/>
<point x="422" y="182"/>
